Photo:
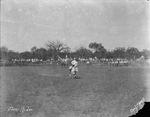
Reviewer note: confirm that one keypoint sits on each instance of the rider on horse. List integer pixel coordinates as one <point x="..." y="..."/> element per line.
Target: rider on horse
<point x="73" y="68"/>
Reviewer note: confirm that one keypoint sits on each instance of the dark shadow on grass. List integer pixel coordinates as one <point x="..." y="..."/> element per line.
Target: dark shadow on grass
<point x="77" y="77"/>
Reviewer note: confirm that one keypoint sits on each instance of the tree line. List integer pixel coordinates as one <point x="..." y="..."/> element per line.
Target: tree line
<point x="54" y="48"/>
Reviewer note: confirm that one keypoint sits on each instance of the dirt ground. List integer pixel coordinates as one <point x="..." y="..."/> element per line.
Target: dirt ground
<point x="47" y="91"/>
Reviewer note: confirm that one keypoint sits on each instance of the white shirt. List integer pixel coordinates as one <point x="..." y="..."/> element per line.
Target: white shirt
<point x="74" y="62"/>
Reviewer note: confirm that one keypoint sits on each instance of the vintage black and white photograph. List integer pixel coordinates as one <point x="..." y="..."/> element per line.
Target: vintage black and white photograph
<point x="74" y="58"/>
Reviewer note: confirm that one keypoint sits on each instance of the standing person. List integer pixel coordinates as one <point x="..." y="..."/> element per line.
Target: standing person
<point x="73" y="68"/>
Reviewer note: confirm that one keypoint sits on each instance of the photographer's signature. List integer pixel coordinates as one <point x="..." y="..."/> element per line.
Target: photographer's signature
<point x="21" y="109"/>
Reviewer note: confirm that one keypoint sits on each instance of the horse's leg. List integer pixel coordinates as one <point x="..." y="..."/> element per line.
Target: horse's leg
<point x="62" y="65"/>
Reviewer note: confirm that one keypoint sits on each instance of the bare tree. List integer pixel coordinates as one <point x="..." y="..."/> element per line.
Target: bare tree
<point x="56" y="47"/>
<point x="98" y="49"/>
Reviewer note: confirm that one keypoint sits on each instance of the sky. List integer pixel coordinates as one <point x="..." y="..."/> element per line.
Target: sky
<point x="114" y="23"/>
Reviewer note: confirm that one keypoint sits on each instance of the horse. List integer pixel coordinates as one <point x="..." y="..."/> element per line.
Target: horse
<point x="64" y="62"/>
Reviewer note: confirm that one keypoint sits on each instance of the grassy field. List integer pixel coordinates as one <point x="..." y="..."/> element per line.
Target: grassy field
<point x="100" y="91"/>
